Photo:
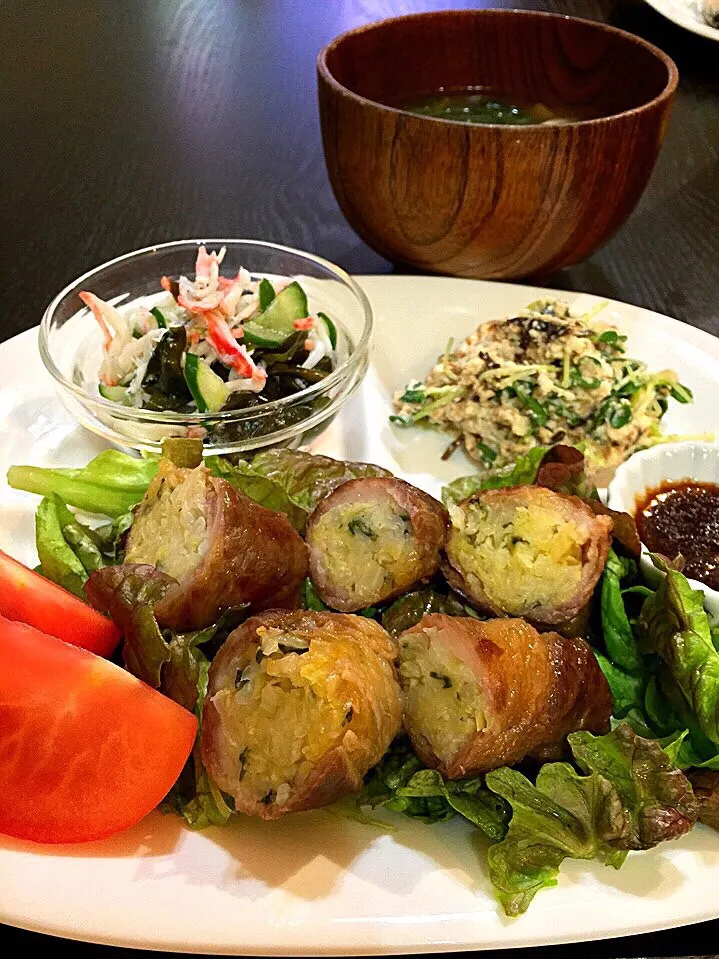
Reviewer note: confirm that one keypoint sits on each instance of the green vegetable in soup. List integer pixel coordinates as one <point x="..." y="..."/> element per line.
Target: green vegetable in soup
<point x="473" y="105"/>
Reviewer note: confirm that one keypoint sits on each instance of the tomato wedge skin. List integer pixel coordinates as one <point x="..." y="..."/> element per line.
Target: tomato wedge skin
<point x="28" y="597"/>
<point x="86" y="749"/>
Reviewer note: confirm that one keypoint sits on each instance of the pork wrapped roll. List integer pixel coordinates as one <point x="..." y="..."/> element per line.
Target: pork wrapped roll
<point x="371" y="539"/>
<point x="527" y="551"/>
<point x="223" y="548"/>
<point x="480" y="695"/>
<point x="300" y="705"/>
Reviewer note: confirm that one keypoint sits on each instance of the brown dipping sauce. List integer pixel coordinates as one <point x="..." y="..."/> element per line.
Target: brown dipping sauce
<point x="683" y="517"/>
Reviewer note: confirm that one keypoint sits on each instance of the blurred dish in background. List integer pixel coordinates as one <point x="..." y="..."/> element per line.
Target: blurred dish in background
<point x="699" y="16"/>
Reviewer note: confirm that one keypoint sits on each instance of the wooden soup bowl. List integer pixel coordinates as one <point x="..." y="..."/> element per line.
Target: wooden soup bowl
<point x="491" y="200"/>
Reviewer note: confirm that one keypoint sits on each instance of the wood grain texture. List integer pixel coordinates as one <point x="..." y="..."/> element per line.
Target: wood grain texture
<point x="491" y="201"/>
<point x="131" y="121"/>
<point x="150" y="120"/>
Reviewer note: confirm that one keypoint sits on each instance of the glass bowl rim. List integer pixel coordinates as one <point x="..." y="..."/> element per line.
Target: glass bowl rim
<point x="337" y="376"/>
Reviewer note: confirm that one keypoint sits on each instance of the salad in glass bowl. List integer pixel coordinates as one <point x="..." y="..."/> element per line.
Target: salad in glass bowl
<point x="213" y="343"/>
<point x="244" y="344"/>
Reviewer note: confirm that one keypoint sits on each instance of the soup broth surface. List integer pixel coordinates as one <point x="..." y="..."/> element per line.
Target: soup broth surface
<point x="485" y="105"/>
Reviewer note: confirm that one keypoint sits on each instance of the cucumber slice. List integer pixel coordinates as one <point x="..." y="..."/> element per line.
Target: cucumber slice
<point x="208" y="389"/>
<point x="331" y="329"/>
<point x="160" y="317"/>
<point x="256" y="335"/>
<point x="266" y="292"/>
<point x="287" y="306"/>
<point x="116" y="394"/>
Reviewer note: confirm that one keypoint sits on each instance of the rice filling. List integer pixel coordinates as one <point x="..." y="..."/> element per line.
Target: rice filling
<point x="443" y="695"/>
<point x="284" y="714"/>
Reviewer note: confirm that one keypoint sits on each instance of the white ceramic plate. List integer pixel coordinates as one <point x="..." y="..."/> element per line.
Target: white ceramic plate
<point x="316" y="884"/>
<point x="687" y="14"/>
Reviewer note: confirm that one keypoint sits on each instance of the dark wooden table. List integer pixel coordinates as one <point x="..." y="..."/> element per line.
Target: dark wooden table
<point x="127" y="122"/>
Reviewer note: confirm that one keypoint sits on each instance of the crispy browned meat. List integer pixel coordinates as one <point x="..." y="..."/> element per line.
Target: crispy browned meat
<point x="527" y="551"/>
<point x="561" y="467"/>
<point x="480" y="695"/>
<point x="300" y="706"/>
<point x="223" y="548"/>
<point x="705" y="783"/>
<point x="624" y="529"/>
<point x="371" y="539"/>
<point x="563" y="470"/>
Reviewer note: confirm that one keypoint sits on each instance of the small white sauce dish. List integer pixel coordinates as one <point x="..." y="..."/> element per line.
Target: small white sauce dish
<point x="650" y="468"/>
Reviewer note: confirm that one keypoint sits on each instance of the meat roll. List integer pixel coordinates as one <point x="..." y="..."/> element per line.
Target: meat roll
<point x="527" y="551"/>
<point x="222" y="548"/>
<point x="300" y="706"/>
<point x="480" y="695"/>
<point x="371" y="539"/>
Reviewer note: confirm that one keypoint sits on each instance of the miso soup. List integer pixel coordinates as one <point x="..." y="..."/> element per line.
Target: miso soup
<point x="484" y="105"/>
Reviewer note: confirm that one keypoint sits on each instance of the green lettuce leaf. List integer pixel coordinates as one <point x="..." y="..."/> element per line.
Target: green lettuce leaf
<point x="402" y="783"/>
<point x="195" y="796"/>
<point x="627" y="690"/>
<point x="656" y="797"/>
<point x="310" y="598"/>
<point x="128" y="594"/>
<point x="409" y="609"/>
<point x="621" y="645"/>
<point x="631" y="797"/>
<point x="630" y="667"/>
<point x="68" y="549"/>
<point x="175" y="663"/>
<point x="110" y="485"/>
<point x="58" y="561"/>
<point x="677" y="629"/>
<point x="522" y="472"/>
<point x="403" y="612"/>
<point x="290" y="481"/>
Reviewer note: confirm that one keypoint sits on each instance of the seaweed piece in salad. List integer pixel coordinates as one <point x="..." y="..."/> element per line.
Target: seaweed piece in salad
<point x="215" y="343"/>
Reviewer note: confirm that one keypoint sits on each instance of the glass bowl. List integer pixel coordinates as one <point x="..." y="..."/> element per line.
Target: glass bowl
<point x="71" y="348"/>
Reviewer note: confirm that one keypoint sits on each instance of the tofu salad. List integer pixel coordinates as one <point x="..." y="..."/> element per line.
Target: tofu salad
<point x="543" y="376"/>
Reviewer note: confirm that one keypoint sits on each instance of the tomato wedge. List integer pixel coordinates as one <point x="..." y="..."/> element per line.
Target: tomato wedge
<point x="30" y="598"/>
<point x="86" y="750"/>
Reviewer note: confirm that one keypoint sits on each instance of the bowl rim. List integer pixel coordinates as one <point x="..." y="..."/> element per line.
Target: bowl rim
<point x="666" y="94"/>
<point x="337" y="376"/>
